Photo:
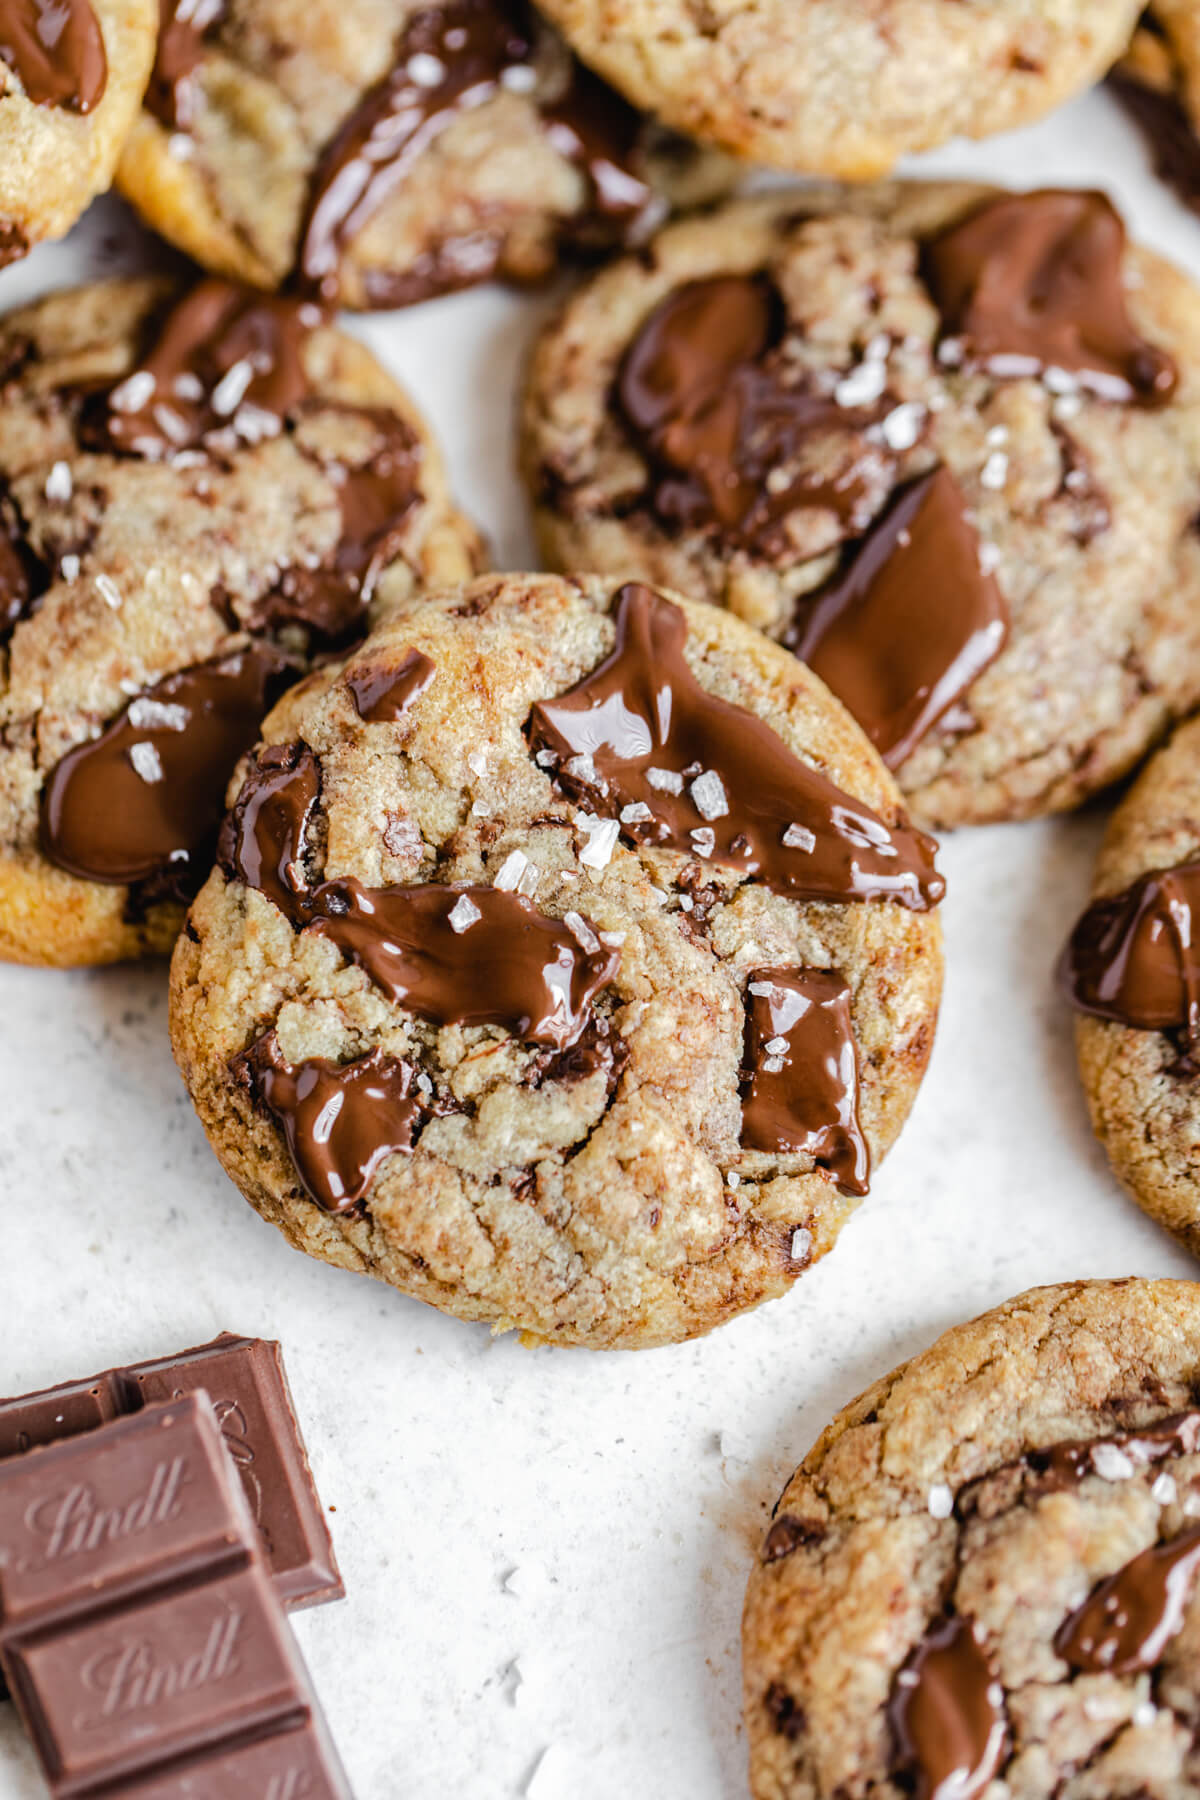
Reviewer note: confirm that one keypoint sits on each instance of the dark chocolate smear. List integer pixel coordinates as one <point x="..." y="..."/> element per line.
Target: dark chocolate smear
<point x="593" y="127"/>
<point x="947" y="1715"/>
<point x="1134" y="957"/>
<point x="384" y="692"/>
<point x="448" y="58"/>
<point x="340" y="1120"/>
<point x="1033" y="281"/>
<point x="800" y="1083"/>
<point x="902" y="632"/>
<point x="265" y="833"/>
<point x="22" y="578"/>
<point x="1127" y="1620"/>
<point x="641" y="741"/>
<point x="329" y="602"/>
<point x="224" y="366"/>
<point x="738" y="440"/>
<point x="183" y="26"/>
<point x="467" y="956"/>
<point x="56" y="50"/>
<point x="1166" y="125"/>
<point x="145" y="798"/>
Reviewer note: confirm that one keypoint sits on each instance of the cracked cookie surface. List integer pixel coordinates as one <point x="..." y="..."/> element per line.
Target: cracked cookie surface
<point x="573" y="1167"/>
<point x="845" y="87"/>
<point x="1138" y="1061"/>
<point x="966" y="1580"/>
<point x="381" y="154"/>
<point x="820" y="334"/>
<point x="71" y="82"/>
<point x="194" y="479"/>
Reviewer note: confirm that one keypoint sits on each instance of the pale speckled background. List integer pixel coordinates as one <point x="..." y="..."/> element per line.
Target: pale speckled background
<point x="545" y="1551"/>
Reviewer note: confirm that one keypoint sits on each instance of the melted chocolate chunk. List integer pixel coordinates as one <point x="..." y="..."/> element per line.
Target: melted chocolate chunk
<point x="225" y="365"/>
<point x="1066" y="1464"/>
<point x="14" y="244"/>
<point x="340" y="1120"/>
<point x="56" y="50"/>
<point x="448" y="58"/>
<point x="641" y="741"/>
<point x="1134" y="957"/>
<point x="1127" y="1620"/>
<point x="800" y="1086"/>
<point x="1034" y="281"/>
<point x="145" y="798"/>
<point x="23" y="580"/>
<point x="330" y="602"/>
<point x="183" y="25"/>
<point x="264" y="834"/>
<point x="467" y="956"/>
<point x="381" y="695"/>
<point x="903" y="631"/>
<point x="947" y="1715"/>
<point x="1164" y="122"/>
<point x="594" y="128"/>
<point x="737" y="439"/>
<point x="788" y="1533"/>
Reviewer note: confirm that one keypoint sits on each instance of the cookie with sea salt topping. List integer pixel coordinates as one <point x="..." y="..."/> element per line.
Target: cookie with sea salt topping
<point x="1132" y="970"/>
<point x="942" y="442"/>
<point x="984" y="1579"/>
<point x="376" y="155"/>
<point x="72" y="75"/>
<point x="201" y="491"/>
<point x="846" y="87"/>
<point x="594" y="963"/>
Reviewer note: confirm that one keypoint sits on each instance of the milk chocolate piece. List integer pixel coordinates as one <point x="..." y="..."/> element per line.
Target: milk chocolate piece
<point x="138" y="1626"/>
<point x="904" y="630"/>
<point x="144" y="799"/>
<point x="640" y="740"/>
<point x="1034" y="281"/>
<point x="1128" y="1619"/>
<point x="730" y="429"/>
<point x="800" y="1086"/>
<point x="294" y="1764"/>
<point x="245" y="1380"/>
<point x="947" y="1715"/>
<point x="171" y="96"/>
<point x="382" y="695"/>
<point x="56" y="50"/>
<point x="1134" y="957"/>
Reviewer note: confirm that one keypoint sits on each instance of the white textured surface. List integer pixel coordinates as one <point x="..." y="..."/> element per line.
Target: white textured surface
<point x="545" y="1551"/>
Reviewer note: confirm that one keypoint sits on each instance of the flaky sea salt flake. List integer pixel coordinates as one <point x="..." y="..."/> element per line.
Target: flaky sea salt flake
<point x="147" y="763"/>
<point x="509" y="874"/>
<point x="708" y="795"/>
<point x="463" y="914"/>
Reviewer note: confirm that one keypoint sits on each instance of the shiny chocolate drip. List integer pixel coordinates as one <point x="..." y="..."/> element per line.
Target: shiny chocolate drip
<point x="56" y="50"/>
<point x="144" y="799"/>
<point x="641" y="741"/>
<point x="1127" y="1620"/>
<point x="467" y="956"/>
<point x="1166" y="125"/>
<point x="330" y="602"/>
<point x="1034" y="281"/>
<point x="947" y="1715"/>
<point x="183" y="25"/>
<point x="800" y="1084"/>
<point x="340" y="1120"/>
<point x="383" y="693"/>
<point x="902" y="632"/>
<point x="1134" y="958"/>
<point x="265" y="833"/>
<point x="593" y="127"/>
<point x="1064" y="1465"/>
<point x="225" y="365"/>
<point x="448" y="58"/>
<point x="727" y="427"/>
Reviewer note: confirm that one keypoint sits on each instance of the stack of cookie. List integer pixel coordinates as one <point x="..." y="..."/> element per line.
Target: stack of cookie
<point x="562" y="947"/>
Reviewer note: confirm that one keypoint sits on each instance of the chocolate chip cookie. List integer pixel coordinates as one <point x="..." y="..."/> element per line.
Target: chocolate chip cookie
<point x="569" y="963"/>
<point x="376" y="155"/>
<point x="982" y="1580"/>
<point x="1158" y="82"/>
<point x="72" y="75"/>
<point x="1132" y="969"/>
<point x="845" y="87"/>
<point x="942" y="442"/>
<point x="201" y="491"/>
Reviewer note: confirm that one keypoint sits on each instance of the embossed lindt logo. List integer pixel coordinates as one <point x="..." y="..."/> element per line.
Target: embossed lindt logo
<point x="134" y="1678"/>
<point x="70" y="1523"/>
<point x="292" y="1784"/>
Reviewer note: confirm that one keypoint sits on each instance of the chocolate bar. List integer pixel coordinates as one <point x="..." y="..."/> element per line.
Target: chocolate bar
<point x="245" y="1380"/>
<point x="143" y="1641"/>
